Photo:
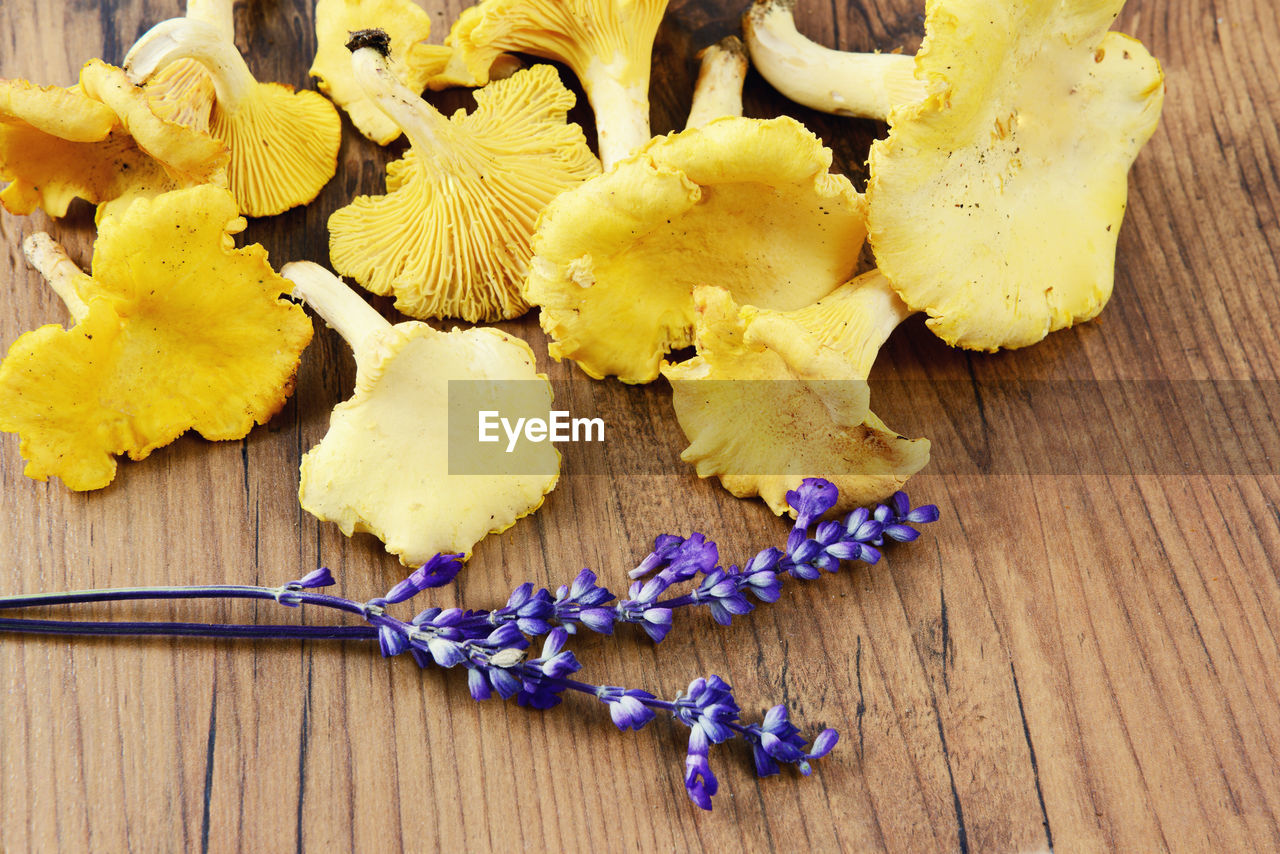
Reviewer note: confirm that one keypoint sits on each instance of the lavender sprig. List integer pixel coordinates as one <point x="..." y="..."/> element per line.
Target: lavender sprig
<point x="492" y="646"/>
<point x="724" y="591"/>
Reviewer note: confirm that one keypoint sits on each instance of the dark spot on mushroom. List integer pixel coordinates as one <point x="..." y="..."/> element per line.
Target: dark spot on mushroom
<point x="373" y="38"/>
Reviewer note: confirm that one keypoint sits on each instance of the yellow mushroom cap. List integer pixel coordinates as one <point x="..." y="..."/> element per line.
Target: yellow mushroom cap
<point x="283" y="144"/>
<point x="188" y="155"/>
<point x="64" y="113"/>
<point x="745" y="204"/>
<point x="384" y="465"/>
<point x="408" y="25"/>
<point x="775" y="397"/>
<point x="175" y="330"/>
<point x="284" y="147"/>
<point x="607" y="43"/>
<point x="451" y="237"/>
<point x="183" y="93"/>
<point x="98" y="141"/>
<point x="996" y="201"/>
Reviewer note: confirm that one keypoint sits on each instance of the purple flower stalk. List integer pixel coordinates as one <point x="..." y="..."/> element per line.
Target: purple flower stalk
<point x="492" y="646"/>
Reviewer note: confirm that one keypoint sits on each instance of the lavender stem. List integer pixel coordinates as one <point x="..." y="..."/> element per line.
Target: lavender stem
<point x="268" y="631"/>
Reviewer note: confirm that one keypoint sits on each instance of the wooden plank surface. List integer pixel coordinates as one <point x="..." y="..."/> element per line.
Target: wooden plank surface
<point x="1082" y="661"/>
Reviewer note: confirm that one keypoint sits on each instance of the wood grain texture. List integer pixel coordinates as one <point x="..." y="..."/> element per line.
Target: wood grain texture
<point x="1084" y="662"/>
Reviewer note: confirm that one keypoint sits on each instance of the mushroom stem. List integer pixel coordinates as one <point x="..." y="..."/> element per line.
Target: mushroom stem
<point x="861" y="315"/>
<point x="621" y="111"/>
<point x="220" y="13"/>
<point x="863" y="85"/>
<point x="48" y="256"/>
<point x="718" y="91"/>
<point x="199" y="40"/>
<point x="341" y="308"/>
<point x="424" y="126"/>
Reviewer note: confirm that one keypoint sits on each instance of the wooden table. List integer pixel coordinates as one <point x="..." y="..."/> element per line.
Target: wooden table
<point x="1084" y="660"/>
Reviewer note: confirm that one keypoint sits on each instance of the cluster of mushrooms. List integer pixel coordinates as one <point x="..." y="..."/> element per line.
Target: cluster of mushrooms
<point x="993" y="206"/>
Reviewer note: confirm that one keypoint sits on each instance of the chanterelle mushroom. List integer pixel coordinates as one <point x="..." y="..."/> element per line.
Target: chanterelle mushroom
<point x="384" y="465"/>
<point x="183" y="91"/>
<point x="175" y="330"/>
<point x="408" y="26"/>
<point x="98" y="141"/>
<point x="746" y="204"/>
<point x="451" y="236"/>
<point x="607" y="43"/>
<point x="995" y="202"/>
<point x="283" y="143"/>
<point x="866" y="85"/>
<point x="774" y="397"/>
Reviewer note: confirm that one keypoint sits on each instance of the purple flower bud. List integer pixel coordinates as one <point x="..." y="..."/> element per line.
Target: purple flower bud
<point x="438" y="571"/>
<point x="652" y="589"/>
<point x="828" y="533"/>
<point x="391" y="642"/>
<point x="426" y="616"/>
<point x="765" y="585"/>
<point x="775" y="719"/>
<point x="505" y="635"/>
<point x="520" y="595"/>
<point x="478" y="684"/>
<point x="860" y="526"/>
<point x="805" y="571"/>
<point x="663" y="548"/>
<point x="555" y="642"/>
<point x="767" y="559"/>
<point x="823" y="744"/>
<point x="449" y="617"/>
<point x="446" y="653"/>
<point x="319" y="578"/>
<point x="923" y="515"/>
<point x="504" y="682"/>
<point x="699" y="781"/>
<point x="900" y="533"/>
<point x="584" y="582"/>
<point x="806" y="551"/>
<point x="814" y="497"/>
<point x="780" y="750"/>
<point x="533" y="626"/>
<point x="900" y="503"/>
<point x="846" y="550"/>
<point x="656" y="623"/>
<point x="561" y="664"/>
<point x="597" y="619"/>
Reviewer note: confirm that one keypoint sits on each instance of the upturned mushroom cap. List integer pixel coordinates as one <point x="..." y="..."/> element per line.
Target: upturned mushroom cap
<point x="451" y="238"/>
<point x="175" y="330"/>
<point x="97" y="141"/>
<point x="996" y="201"/>
<point x="183" y="91"/>
<point x="608" y="44"/>
<point x="746" y="204"/>
<point x="283" y="143"/>
<point x="408" y="26"/>
<point x="384" y="465"/>
<point x="775" y="397"/>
